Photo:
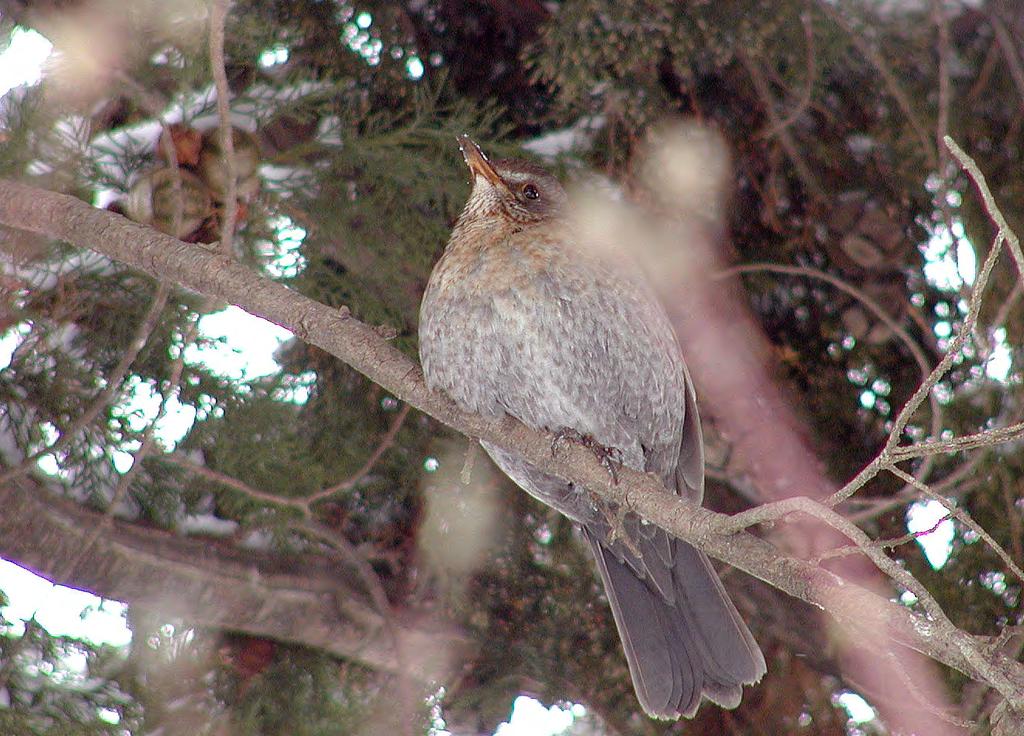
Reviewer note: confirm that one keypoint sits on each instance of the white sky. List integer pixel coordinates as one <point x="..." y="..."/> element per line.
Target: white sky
<point x="22" y="62"/>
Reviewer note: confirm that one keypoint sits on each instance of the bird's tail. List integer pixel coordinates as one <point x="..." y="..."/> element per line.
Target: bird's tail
<point x="680" y="650"/>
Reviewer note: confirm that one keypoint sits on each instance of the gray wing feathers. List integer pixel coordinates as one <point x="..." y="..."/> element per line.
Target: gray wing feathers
<point x="690" y="470"/>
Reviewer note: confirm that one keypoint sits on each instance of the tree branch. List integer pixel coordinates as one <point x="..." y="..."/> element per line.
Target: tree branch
<point x="306" y="599"/>
<point x="871" y="615"/>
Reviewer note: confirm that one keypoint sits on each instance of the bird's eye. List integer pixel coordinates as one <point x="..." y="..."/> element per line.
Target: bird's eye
<point x="531" y="192"/>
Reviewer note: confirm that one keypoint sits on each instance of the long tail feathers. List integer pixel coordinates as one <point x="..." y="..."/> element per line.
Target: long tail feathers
<point x="678" y="652"/>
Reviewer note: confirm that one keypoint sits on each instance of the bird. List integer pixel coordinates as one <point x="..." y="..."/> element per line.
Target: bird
<point x="520" y="318"/>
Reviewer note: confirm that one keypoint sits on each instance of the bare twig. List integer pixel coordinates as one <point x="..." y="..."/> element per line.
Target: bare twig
<point x="1013" y="515"/>
<point x="338" y="542"/>
<point x="890" y="543"/>
<point x="149" y="322"/>
<point x="985" y="75"/>
<point x="803" y="170"/>
<point x="778" y="510"/>
<point x="888" y="320"/>
<point x="113" y="385"/>
<point x="963" y="518"/>
<point x="385" y="444"/>
<point x="955" y="346"/>
<point x="229" y="481"/>
<point x="1008" y="305"/>
<point x="148" y="444"/>
<point x="1009" y="50"/>
<point x="942" y="126"/>
<point x="987" y="438"/>
<point x="958" y="484"/>
<point x="805" y="97"/>
<point x="991" y="208"/>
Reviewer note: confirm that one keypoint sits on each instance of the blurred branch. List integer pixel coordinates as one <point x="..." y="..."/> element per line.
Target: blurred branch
<point x="1009" y="50"/>
<point x="149" y="322"/>
<point x="888" y="320"/>
<point x="777" y="125"/>
<point x="359" y="345"/>
<point x="218" y="16"/>
<point x="307" y="599"/>
<point x="301" y="504"/>
<point x="915" y="349"/>
<point x="228" y="481"/>
<point x="803" y="170"/>
<point x="113" y="385"/>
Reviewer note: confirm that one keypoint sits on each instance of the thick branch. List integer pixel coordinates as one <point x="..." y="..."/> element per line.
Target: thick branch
<point x="303" y="599"/>
<point x="63" y="217"/>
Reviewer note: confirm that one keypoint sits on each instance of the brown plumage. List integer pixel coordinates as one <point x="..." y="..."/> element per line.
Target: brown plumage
<point x="519" y="318"/>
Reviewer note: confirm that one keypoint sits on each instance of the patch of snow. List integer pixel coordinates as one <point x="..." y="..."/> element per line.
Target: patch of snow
<point x="207" y="524"/>
<point x="577" y="137"/>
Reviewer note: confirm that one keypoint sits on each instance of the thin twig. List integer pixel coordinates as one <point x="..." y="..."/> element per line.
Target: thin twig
<point x="890" y="543"/>
<point x="955" y="346"/>
<point x="942" y="128"/>
<point x="805" y="96"/>
<point x="888" y="320"/>
<point x="375" y="588"/>
<point x="985" y="75"/>
<point x="953" y="486"/>
<point x="803" y="505"/>
<point x="1009" y="50"/>
<point x="986" y="438"/>
<point x="148" y="444"/>
<point x="144" y="329"/>
<point x="229" y="481"/>
<point x="991" y="208"/>
<point x="1013" y="516"/>
<point x="803" y="170"/>
<point x="113" y="385"/>
<point x="964" y="518"/>
<point x="1008" y="305"/>
<point x="385" y="444"/>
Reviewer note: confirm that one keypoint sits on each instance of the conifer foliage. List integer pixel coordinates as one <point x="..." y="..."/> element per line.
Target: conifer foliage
<point x="301" y="552"/>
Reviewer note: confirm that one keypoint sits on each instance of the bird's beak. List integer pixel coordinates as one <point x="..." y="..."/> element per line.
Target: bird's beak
<point x="477" y="161"/>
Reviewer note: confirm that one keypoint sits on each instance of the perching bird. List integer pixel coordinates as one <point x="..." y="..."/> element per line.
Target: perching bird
<point x="519" y="318"/>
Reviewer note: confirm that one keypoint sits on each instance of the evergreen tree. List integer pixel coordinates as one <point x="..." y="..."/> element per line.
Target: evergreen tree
<point x="314" y="556"/>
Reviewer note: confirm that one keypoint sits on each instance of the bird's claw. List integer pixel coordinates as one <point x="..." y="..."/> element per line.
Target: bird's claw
<point x="616" y="519"/>
<point x="609" y="457"/>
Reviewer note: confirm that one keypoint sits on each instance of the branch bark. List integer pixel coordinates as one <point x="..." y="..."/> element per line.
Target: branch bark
<point x="305" y="599"/>
<point x="873" y="617"/>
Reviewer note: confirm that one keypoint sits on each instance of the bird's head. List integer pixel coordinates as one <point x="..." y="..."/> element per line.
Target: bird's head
<point x="516" y="191"/>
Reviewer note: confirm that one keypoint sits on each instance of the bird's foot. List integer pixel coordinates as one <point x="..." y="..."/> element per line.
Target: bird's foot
<point x="609" y="457"/>
<point x="616" y="519"/>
